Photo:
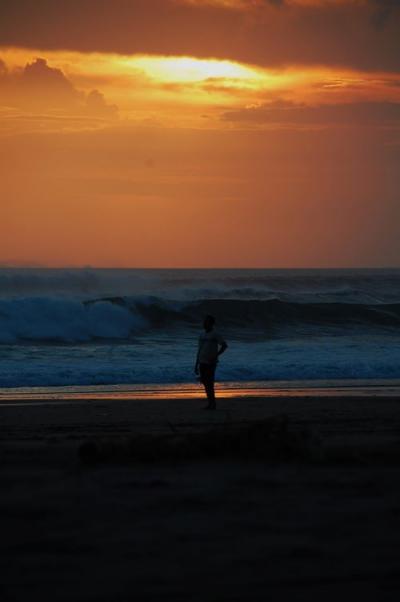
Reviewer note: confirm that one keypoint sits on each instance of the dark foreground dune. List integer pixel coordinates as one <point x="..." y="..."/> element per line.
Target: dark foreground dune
<point x="278" y="498"/>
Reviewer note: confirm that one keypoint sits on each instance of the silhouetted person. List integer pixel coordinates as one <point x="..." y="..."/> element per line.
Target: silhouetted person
<point x="211" y="345"/>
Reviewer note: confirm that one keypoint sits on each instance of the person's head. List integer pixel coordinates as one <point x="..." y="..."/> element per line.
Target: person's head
<point x="208" y="323"/>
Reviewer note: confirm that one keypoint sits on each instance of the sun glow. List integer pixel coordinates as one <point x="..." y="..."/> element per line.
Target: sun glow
<point x="189" y="69"/>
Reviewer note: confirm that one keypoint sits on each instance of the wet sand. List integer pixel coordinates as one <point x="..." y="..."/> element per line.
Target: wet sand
<point x="205" y="530"/>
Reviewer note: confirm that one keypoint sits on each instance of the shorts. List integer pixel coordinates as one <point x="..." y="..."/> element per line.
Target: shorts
<point x="207" y="373"/>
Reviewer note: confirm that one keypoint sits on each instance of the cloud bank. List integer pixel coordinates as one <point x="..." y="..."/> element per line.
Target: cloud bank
<point x="382" y="114"/>
<point x="357" y="34"/>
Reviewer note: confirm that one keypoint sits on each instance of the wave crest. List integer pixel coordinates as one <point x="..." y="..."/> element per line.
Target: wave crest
<point x="73" y="320"/>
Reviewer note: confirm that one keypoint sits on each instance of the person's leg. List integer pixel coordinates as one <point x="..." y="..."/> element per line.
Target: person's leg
<point x="209" y="381"/>
<point x="210" y="392"/>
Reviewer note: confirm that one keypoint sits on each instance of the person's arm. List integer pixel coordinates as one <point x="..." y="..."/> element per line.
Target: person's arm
<point x="223" y="346"/>
<point x="196" y="365"/>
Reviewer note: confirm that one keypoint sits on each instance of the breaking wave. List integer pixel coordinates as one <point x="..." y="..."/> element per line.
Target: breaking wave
<point x="52" y="319"/>
<point x="61" y="320"/>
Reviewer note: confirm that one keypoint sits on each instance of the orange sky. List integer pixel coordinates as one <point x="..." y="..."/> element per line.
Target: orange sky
<point x="185" y="133"/>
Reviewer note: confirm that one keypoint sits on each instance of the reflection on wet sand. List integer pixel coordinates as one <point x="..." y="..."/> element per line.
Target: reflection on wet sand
<point x="48" y="395"/>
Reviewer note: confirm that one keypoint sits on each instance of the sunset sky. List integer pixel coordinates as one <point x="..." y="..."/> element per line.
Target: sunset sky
<point x="200" y="133"/>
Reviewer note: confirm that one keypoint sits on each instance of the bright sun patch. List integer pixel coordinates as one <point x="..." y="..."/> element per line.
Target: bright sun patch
<point x="188" y="69"/>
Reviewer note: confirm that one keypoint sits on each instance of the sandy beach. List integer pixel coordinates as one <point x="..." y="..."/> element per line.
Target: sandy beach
<point x="213" y="529"/>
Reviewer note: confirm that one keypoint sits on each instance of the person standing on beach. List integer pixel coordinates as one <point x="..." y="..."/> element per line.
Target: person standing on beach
<point x="211" y="345"/>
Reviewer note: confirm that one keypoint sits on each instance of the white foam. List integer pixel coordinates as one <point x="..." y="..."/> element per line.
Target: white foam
<point x="64" y="320"/>
<point x="171" y="359"/>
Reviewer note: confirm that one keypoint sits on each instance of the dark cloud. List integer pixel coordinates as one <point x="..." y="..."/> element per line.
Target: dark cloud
<point x="39" y="87"/>
<point x="364" y="36"/>
<point x="44" y="86"/>
<point x="97" y="105"/>
<point x="384" y="10"/>
<point x="288" y="113"/>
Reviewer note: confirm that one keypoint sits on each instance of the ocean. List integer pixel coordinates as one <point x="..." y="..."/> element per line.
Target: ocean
<point x="88" y="327"/>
